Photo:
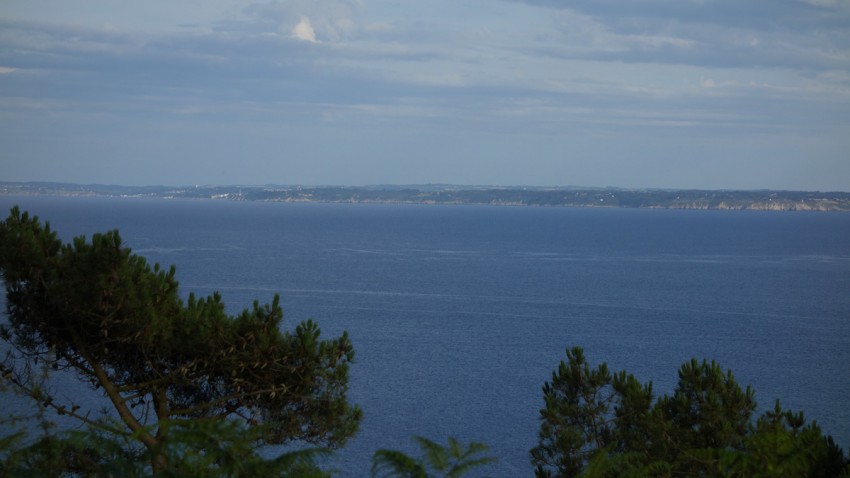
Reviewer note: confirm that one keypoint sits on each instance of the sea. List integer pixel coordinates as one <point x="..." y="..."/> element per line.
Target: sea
<point x="459" y="314"/>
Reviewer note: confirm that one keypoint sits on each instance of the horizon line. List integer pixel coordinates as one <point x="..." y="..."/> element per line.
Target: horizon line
<point x="415" y="185"/>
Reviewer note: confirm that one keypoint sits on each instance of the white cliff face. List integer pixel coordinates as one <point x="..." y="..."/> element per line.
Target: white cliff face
<point x="793" y="206"/>
<point x="778" y="205"/>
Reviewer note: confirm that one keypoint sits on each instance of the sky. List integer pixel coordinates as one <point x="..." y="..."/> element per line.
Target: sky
<point x="706" y="94"/>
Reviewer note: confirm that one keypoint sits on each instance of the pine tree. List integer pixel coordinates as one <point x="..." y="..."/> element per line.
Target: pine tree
<point x="598" y="424"/>
<point x="105" y="314"/>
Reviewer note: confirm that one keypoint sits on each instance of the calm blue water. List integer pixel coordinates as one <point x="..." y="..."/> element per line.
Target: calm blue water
<point x="459" y="314"/>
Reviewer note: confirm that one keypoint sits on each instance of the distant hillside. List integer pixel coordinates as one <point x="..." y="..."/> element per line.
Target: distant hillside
<point x="507" y="196"/>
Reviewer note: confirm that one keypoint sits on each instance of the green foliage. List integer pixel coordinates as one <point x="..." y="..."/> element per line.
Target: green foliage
<point x="598" y="424"/>
<point x="782" y="444"/>
<point x="119" y="324"/>
<point x="218" y="448"/>
<point x="210" y="448"/>
<point x="450" y="461"/>
<point x="583" y="406"/>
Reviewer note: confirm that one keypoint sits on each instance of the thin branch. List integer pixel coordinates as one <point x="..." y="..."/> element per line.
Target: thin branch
<point x="48" y="402"/>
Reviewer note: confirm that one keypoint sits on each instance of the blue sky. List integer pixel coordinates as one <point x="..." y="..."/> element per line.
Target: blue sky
<point x="708" y="94"/>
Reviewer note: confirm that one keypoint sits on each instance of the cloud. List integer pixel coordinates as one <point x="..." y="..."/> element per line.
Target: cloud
<point x="797" y="34"/>
<point x="329" y="20"/>
<point x="762" y="14"/>
<point x="822" y="3"/>
<point x="380" y="27"/>
<point x="435" y="70"/>
<point x="304" y="31"/>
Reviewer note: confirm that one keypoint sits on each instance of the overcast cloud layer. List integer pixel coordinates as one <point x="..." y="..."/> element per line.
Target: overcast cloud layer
<point x="654" y="93"/>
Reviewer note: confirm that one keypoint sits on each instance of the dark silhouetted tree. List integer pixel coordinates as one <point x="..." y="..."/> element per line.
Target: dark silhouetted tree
<point x="598" y="424"/>
<point x="105" y="314"/>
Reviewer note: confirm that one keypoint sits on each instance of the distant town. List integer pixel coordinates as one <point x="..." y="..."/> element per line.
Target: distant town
<point x="447" y="194"/>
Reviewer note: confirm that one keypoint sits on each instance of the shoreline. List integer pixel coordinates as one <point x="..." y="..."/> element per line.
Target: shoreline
<point x="725" y="200"/>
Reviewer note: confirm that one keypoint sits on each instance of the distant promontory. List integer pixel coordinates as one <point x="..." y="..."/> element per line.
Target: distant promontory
<point x="446" y="194"/>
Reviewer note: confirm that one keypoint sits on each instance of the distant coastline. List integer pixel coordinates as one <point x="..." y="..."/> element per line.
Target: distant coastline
<point x="762" y="200"/>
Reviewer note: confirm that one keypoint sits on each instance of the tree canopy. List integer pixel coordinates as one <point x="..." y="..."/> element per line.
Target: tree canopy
<point x="598" y="424"/>
<point x="102" y="312"/>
